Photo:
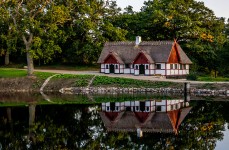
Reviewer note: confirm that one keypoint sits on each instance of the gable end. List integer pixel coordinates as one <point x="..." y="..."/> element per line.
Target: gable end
<point x="174" y="56"/>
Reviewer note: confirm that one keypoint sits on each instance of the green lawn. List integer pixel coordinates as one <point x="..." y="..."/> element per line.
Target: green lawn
<point x="218" y="79"/>
<point x="11" y="73"/>
<point x="123" y="82"/>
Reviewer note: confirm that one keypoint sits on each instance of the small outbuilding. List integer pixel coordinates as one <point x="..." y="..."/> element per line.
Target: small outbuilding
<point x="165" y="58"/>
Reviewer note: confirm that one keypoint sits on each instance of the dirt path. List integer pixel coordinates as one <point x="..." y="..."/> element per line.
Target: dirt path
<point x="141" y="77"/>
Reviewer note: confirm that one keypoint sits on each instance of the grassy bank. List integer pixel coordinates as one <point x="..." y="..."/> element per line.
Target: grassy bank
<point x="15" y="73"/>
<point x="17" y="79"/>
<point x="212" y="79"/>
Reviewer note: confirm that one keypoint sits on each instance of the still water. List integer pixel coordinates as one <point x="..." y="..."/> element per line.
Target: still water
<point x="125" y="122"/>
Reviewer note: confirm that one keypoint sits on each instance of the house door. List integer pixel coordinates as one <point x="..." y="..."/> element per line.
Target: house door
<point x="141" y="69"/>
<point x="128" y="108"/>
<point x="111" y="68"/>
<point x="142" y="106"/>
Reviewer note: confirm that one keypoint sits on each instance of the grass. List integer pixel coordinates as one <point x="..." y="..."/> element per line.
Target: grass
<point x="80" y="80"/>
<point x="43" y="75"/>
<point x="83" y="80"/>
<point x="212" y="79"/>
<point x="11" y="73"/>
<point x="123" y="82"/>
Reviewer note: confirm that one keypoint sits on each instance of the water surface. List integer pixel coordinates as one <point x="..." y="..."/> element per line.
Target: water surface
<point x="125" y="122"/>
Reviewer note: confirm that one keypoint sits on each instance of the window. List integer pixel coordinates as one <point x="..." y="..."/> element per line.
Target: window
<point x="137" y="108"/>
<point x="136" y="66"/>
<point x="147" y="67"/>
<point x="158" y="66"/>
<point x="175" y="66"/>
<point x="127" y="66"/>
<point x="176" y="106"/>
<point x="106" y="66"/>
<point x="116" y="66"/>
<point x="184" y="66"/>
<point x="171" y="66"/>
<point x="181" y="66"/>
<point x="171" y="107"/>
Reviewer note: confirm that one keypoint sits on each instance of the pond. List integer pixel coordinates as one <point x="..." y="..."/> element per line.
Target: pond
<point x="138" y="121"/>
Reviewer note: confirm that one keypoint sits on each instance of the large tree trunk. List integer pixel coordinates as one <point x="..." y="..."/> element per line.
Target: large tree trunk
<point x="29" y="56"/>
<point x="30" y="65"/>
<point x="7" y="58"/>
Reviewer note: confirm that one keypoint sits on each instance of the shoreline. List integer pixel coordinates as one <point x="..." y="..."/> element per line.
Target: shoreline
<point x="65" y="86"/>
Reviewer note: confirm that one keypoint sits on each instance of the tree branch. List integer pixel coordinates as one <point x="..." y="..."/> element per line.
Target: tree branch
<point x="41" y="8"/>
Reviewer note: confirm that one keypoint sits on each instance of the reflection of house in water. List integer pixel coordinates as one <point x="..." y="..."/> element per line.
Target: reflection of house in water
<point x="144" y="116"/>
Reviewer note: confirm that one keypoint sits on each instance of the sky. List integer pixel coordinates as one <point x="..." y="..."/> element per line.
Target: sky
<point x="220" y="7"/>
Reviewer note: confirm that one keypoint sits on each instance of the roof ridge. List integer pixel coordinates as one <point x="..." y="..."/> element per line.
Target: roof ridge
<point x="119" y="43"/>
<point x="156" y="43"/>
<point x="116" y="43"/>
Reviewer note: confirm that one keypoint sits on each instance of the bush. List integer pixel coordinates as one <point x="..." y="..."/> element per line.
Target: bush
<point x="192" y="76"/>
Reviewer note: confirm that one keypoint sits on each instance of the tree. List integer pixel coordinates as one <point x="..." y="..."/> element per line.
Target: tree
<point x="33" y="19"/>
<point x="87" y="30"/>
<point x="195" y="26"/>
<point x="8" y="37"/>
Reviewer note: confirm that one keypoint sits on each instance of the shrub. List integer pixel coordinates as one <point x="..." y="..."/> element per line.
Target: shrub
<point x="192" y="76"/>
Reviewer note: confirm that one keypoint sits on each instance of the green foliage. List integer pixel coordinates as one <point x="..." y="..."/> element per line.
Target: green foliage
<point x="87" y="30"/>
<point x="192" y="76"/>
<point x="123" y="82"/>
<point x="193" y="25"/>
<point x="43" y="75"/>
<point x="73" y="32"/>
<point x="67" y="76"/>
<point x="80" y="80"/>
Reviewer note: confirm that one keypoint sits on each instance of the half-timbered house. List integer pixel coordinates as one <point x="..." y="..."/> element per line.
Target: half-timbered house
<point x="164" y="58"/>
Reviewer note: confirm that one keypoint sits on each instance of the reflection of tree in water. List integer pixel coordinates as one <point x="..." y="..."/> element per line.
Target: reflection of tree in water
<point x="202" y="128"/>
<point x="80" y="127"/>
